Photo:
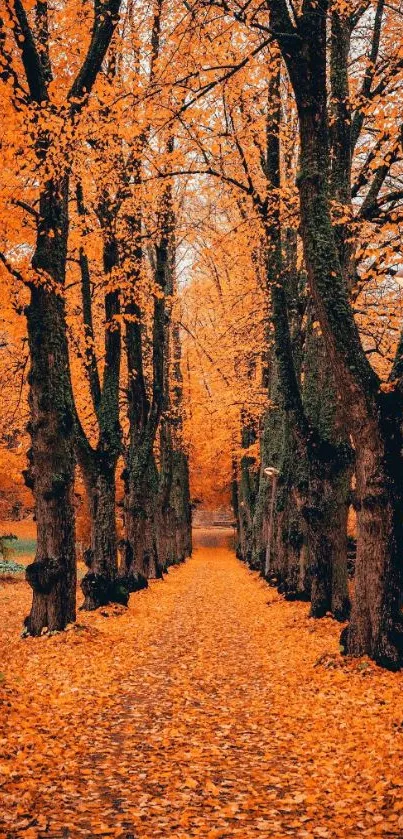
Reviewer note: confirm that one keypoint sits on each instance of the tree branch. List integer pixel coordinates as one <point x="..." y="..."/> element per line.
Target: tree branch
<point x="106" y="15"/>
<point x="11" y="270"/>
<point x="25" y="42"/>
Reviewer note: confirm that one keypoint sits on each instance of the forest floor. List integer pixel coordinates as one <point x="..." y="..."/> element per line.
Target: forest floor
<point x="209" y="708"/>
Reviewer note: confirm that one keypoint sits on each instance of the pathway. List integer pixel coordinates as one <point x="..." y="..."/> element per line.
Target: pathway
<point x="210" y="708"/>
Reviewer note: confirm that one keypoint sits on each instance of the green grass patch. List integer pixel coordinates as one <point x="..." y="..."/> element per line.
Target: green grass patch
<point x="10" y="549"/>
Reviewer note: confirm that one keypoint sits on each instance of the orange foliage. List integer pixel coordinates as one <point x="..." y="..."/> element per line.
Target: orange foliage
<point x="132" y="110"/>
<point x="223" y="341"/>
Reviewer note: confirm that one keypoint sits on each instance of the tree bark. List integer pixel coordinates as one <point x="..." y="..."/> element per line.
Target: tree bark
<point x="180" y="495"/>
<point x="376" y="626"/>
<point x="327" y="540"/>
<point x="100" y="584"/>
<point x="166" y="525"/>
<point x="141" y="561"/>
<point x="52" y="576"/>
<point x="330" y="483"/>
<point x="180" y="485"/>
<point x="144" y="413"/>
<point x="247" y="491"/>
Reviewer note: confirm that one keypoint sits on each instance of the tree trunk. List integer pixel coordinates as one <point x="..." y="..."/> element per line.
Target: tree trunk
<point x="271" y="445"/>
<point x="297" y="577"/>
<point x="180" y="500"/>
<point x="326" y="518"/>
<point x="166" y="538"/>
<point x="141" y="560"/>
<point x="52" y="575"/>
<point x="247" y="491"/>
<point x="375" y="627"/>
<point x="51" y="473"/>
<point x="340" y="605"/>
<point x="376" y="621"/>
<point x="100" y="584"/>
<point x="235" y="505"/>
<point x="329" y="481"/>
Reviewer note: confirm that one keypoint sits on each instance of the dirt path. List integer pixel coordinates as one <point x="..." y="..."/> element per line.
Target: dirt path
<point x="199" y="712"/>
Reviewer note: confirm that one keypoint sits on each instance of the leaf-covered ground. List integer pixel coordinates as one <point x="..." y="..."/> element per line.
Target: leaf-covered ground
<point x="210" y="708"/>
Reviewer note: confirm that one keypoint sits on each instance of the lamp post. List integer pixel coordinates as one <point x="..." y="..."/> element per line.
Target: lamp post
<point x="271" y="473"/>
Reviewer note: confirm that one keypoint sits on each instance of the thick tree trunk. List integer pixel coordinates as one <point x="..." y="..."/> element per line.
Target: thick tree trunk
<point x="322" y="466"/>
<point x="294" y="581"/>
<point x="297" y="578"/>
<point x="376" y="626"/>
<point x="328" y="484"/>
<point x="166" y="538"/>
<point x="52" y="576"/>
<point x="165" y="519"/>
<point x="174" y="521"/>
<point x="326" y="519"/>
<point x="51" y="474"/>
<point x="271" y="447"/>
<point x="141" y="561"/>
<point x="235" y="505"/>
<point x="289" y="568"/>
<point x="141" y="558"/>
<point x="180" y="500"/>
<point x="340" y="604"/>
<point x="261" y="525"/>
<point x="245" y="540"/>
<point x="100" y="584"/>
<point x="280" y="555"/>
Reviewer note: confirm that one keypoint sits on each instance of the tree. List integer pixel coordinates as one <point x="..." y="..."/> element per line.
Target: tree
<point x="51" y="472"/>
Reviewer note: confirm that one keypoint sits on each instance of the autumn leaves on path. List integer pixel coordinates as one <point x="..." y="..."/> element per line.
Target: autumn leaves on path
<point x="209" y="708"/>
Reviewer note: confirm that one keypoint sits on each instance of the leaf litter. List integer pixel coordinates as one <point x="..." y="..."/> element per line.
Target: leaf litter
<point x="197" y="712"/>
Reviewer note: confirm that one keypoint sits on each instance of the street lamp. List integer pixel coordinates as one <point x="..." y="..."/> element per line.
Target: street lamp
<point x="272" y="473"/>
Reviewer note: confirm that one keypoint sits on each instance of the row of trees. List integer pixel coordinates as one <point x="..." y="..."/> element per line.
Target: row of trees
<point x="308" y="142"/>
<point x="349" y="419"/>
<point x="105" y="380"/>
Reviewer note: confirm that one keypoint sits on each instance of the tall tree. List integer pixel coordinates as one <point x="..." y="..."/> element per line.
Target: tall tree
<point x="51" y="472"/>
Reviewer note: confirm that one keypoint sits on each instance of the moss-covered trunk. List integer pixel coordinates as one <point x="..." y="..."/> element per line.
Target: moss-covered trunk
<point x="52" y="424"/>
<point x="165" y="514"/>
<point x="180" y="500"/>
<point x="371" y="417"/>
<point x="329" y="481"/>
<point x="376" y="626"/>
<point x="100" y="585"/>
<point x="271" y="446"/>
<point x="52" y="576"/>
<point x="247" y="491"/>
<point x="175" y="515"/>
<point x="141" y="561"/>
<point x="375" y="620"/>
<point x="326" y="518"/>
